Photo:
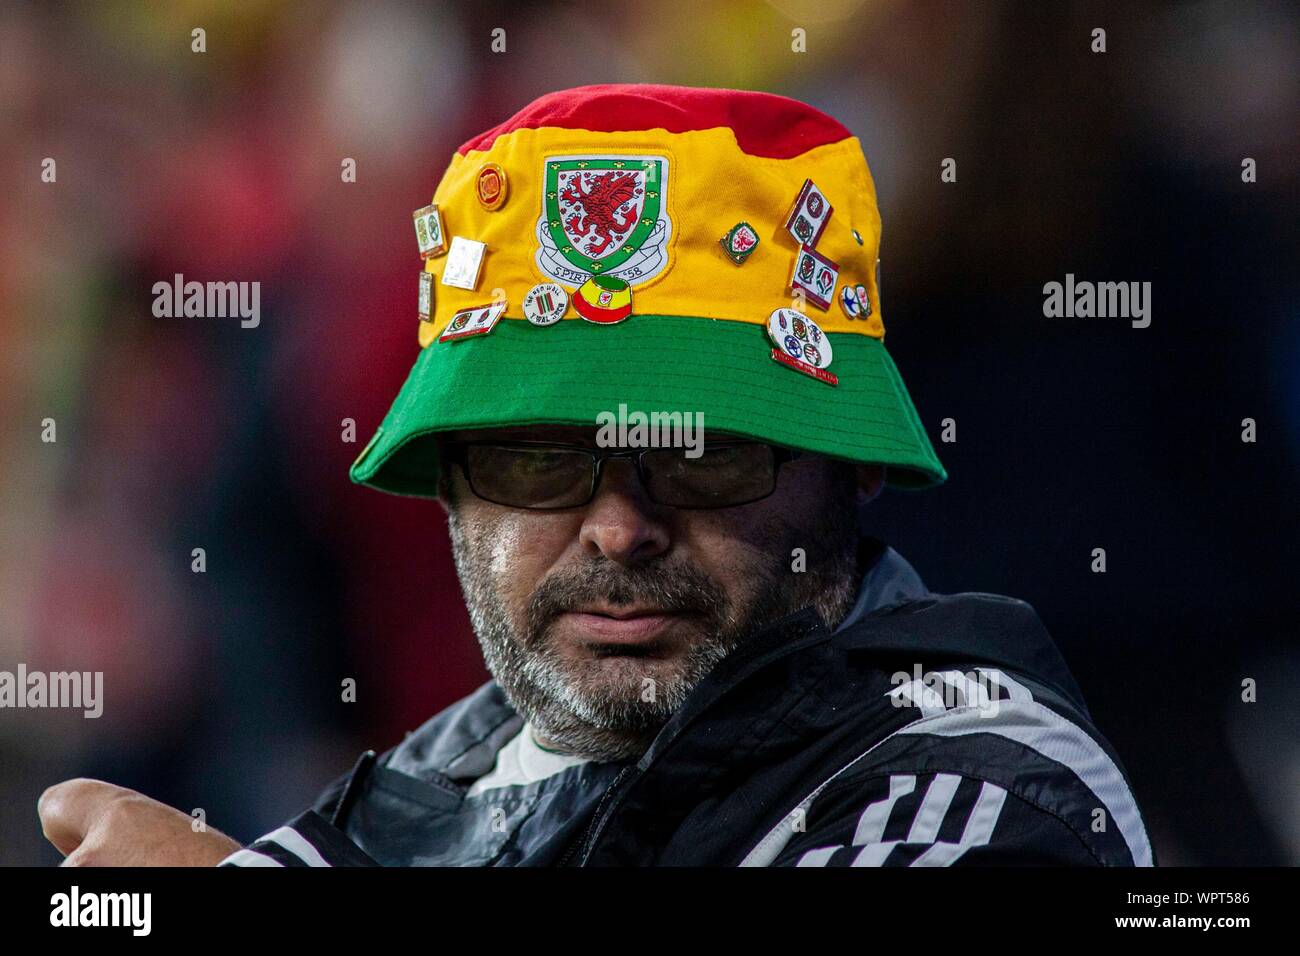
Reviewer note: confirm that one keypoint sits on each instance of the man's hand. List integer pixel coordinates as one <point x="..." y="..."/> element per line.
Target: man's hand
<point x="93" y="823"/>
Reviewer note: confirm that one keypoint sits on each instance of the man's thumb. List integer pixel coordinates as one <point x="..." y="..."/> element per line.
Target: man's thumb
<point x="69" y="809"/>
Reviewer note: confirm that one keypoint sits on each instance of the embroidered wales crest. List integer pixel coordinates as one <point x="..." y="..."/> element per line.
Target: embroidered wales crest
<point x="604" y="215"/>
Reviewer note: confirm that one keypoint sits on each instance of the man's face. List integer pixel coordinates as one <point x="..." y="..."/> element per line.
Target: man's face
<point x="599" y="620"/>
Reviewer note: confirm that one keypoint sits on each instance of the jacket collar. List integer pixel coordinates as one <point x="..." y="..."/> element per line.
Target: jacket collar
<point x="888" y="580"/>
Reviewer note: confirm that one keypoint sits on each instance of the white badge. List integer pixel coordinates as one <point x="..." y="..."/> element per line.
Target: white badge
<point x="799" y="337"/>
<point x="464" y="262"/>
<point x="545" y="304"/>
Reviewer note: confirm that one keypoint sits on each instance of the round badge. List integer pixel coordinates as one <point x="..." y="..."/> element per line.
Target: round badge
<point x="864" y="300"/>
<point x="491" y="186"/>
<point x="791" y="331"/>
<point x="849" y="302"/>
<point x="545" y="304"/>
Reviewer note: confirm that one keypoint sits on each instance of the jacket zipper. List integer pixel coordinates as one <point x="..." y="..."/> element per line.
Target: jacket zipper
<point x="587" y="843"/>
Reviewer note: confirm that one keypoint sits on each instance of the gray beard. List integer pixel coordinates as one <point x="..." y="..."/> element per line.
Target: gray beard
<point x="576" y="713"/>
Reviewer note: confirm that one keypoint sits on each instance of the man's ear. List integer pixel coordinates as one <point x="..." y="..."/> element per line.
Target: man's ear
<point x="871" y="480"/>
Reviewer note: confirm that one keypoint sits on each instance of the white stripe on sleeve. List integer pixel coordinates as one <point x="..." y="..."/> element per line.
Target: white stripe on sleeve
<point x="249" y="858"/>
<point x="293" y="841"/>
<point x="934" y="807"/>
<point x="979" y="829"/>
<point x="1045" y="731"/>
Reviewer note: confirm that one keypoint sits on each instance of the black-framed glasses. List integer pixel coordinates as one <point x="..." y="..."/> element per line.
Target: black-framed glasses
<point x="546" y="475"/>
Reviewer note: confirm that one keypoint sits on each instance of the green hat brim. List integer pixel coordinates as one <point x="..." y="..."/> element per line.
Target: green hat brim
<point x="568" y="373"/>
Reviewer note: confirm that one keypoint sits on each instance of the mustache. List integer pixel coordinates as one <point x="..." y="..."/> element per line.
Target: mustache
<point x="679" y="589"/>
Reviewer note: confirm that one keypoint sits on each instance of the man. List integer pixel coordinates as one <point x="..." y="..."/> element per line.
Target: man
<point x="696" y="657"/>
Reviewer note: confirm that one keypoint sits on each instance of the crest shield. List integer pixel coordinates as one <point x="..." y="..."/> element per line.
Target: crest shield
<point x="604" y="215"/>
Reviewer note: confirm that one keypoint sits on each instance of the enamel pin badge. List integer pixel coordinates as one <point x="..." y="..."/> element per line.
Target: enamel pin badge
<point x="809" y="215"/>
<point x="426" y="296"/>
<point x="464" y="262"/>
<point x="428" y="232"/>
<point x="603" y="300"/>
<point x="491" y="187"/>
<point x="479" y="320"/>
<point x="816" y="275"/>
<point x="740" y="242"/>
<point x="801" y="344"/>
<point x="545" y="304"/>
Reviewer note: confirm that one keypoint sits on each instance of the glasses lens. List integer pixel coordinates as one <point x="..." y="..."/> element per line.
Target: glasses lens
<point x="722" y="476"/>
<point x="529" y="477"/>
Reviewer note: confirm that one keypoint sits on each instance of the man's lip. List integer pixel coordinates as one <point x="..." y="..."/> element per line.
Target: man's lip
<point x="622" y="625"/>
<point x="622" y="613"/>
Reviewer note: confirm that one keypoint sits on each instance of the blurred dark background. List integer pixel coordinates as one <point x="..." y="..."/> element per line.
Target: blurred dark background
<point x="223" y="688"/>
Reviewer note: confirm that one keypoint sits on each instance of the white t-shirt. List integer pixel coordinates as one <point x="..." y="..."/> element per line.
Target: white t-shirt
<point x="521" y="760"/>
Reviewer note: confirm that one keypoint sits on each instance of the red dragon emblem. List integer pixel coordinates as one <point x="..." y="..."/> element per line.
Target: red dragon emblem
<point x="596" y="204"/>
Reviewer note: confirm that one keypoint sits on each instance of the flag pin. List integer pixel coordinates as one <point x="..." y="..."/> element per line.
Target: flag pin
<point x="477" y="320"/>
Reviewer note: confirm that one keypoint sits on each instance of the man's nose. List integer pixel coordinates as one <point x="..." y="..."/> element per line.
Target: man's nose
<point x="621" y="522"/>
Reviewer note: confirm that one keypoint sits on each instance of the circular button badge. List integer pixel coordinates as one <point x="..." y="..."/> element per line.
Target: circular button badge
<point x="856" y="301"/>
<point x="799" y="337"/>
<point x="545" y="304"/>
<point x="491" y="186"/>
<point x="849" y="301"/>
